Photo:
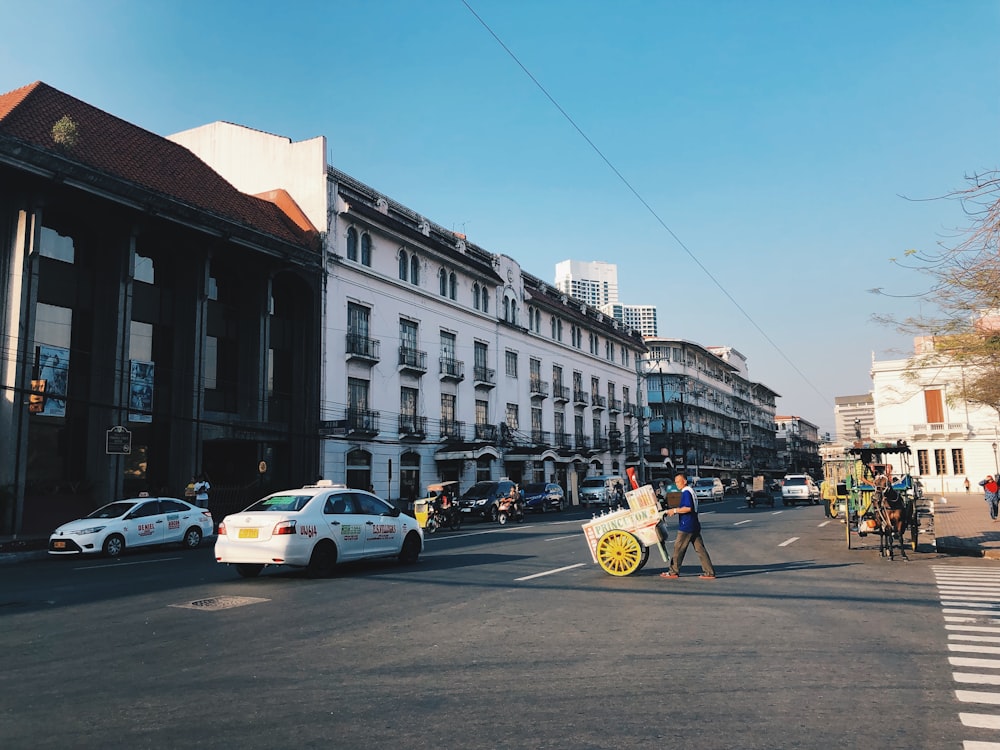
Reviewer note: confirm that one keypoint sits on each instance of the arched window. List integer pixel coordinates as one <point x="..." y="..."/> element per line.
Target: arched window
<point x="506" y="309"/>
<point x="415" y="270"/>
<point x="552" y="324"/>
<point x="475" y="295"/>
<point x="359" y="470"/>
<point x="352" y="244"/>
<point x="513" y="312"/>
<point x="443" y="282"/>
<point x="404" y="264"/>
<point x="366" y="249"/>
<point x="486" y="300"/>
<point x="453" y="285"/>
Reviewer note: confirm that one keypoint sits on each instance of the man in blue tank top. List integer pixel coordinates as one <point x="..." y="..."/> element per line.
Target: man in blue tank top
<point x="688" y="533"/>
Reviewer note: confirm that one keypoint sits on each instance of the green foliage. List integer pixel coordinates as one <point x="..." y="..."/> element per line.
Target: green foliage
<point x="65" y="132"/>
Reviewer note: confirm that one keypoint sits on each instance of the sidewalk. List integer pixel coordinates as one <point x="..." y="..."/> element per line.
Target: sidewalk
<point x="962" y="525"/>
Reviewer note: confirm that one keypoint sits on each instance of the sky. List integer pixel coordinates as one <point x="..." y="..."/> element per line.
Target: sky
<point x="753" y="168"/>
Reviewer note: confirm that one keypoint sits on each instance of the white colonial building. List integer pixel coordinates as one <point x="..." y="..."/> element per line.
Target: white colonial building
<point x="441" y="360"/>
<point x="950" y="438"/>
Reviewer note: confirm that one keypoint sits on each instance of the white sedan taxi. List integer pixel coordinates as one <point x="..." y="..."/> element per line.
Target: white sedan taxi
<point x="134" y="522"/>
<point x="315" y="527"/>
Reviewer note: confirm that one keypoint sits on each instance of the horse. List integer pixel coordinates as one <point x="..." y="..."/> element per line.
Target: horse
<point x="892" y="517"/>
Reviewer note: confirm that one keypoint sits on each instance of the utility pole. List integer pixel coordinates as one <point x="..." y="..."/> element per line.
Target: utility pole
<point x="642" y="417"/>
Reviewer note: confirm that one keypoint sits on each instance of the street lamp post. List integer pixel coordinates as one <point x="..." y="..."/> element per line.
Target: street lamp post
<point x="857" y="428"/>
<point x="996" y="465"/>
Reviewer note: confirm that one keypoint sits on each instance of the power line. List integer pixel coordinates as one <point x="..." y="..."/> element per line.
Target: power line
<point x="643" y="201"/>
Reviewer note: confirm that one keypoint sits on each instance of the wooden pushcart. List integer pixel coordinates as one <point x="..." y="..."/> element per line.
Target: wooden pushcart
<point x="619" y="541"/>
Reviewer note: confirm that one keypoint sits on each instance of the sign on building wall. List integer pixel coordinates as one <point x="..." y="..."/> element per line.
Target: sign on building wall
<point x="53" y="369"/>
<point x="140" y="394"/>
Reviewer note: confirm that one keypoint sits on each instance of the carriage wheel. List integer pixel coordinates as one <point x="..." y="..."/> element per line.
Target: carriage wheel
<point x="620" y="553"/>
<point x="914" y="528"/>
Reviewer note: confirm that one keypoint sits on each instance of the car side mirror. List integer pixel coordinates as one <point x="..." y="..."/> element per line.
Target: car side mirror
<point x="394" y="513"/>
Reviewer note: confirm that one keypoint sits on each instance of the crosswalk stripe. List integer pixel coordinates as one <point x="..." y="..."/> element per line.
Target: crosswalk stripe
<point x="978" y="696"/>
<point x="964" y="661"/>
<point x="972" y="678"/>
<point x="980" y="721"/>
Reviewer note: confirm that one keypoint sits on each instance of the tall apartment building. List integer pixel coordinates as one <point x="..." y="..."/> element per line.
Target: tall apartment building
<point x="854" y="417"/>
<point x="594" y="282"/>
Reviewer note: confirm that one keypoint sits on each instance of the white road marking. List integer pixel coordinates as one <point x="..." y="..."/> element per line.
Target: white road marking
<point x="978" y="696"/>
<point x="971" y="628"/>
<point x="977" y="679"/>
<point x="789" y="541"/>
<point x="122" y="564"/>
<point x="550" y="572"/>
<point x="962" y="648"/>
<point x="823" y="524"/>
<point x="740" y="523"/>
<point x="977" y="638"/>
<point x="974" y="745"/>
<point x="964" y="661"/>
<point x="980" y="721"/>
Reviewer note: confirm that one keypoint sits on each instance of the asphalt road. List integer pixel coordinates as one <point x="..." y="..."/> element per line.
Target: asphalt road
<point x="498" y="638"/>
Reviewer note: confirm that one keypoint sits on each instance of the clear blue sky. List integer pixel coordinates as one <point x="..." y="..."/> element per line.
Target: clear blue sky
<point x="776" y="143"/>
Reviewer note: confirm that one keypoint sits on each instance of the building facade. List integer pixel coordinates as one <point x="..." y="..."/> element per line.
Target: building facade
<point x="706" y="417"/>
<point x="641" y="318"/>
<point x="949" y="438"/>
<point x="854" y="417"/>
<point x="594" y="282"/>
<point x="159" y="323"/>
<point x="797" y="445"/>
<point x="441" y="360"/>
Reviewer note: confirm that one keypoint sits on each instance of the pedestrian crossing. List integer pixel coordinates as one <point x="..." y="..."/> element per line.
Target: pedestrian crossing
<point x="970" y="601"/>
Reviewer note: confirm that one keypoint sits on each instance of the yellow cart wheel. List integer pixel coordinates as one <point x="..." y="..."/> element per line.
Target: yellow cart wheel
<point x="620" y="553"/>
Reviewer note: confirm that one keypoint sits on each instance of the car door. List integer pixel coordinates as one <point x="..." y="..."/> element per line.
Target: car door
<point x="178" y="518"/>
<point x="344" y="525"/>
<point x="145" y="525"/>
<point x="382" y="529"/>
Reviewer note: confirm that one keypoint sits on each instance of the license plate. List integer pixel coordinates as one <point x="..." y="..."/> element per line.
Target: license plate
<point x="466" y="510"/>
<point x="248" y="533"/>
<point x="58" y="545"/>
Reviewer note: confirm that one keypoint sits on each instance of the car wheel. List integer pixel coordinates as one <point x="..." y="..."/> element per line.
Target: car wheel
<point x="249" y="570"/>
<point x="192" y="538"/>
<point x="114" y="545"/>
<point x="323" y="560"/>
<point x="411" y="549"/>
<point x="545" y="506"/>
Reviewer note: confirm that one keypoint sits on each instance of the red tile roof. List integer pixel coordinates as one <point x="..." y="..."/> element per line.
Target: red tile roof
<point x="118" y="148"/>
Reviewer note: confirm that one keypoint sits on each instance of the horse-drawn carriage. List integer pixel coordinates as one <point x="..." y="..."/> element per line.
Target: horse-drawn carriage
<point x="870" y="489"/>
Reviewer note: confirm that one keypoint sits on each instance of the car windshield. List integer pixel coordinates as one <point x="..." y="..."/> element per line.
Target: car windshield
<point x="482" y="489"/>
<point x="705" y="483"/>
<point x="113" y="510"/>
<point x="281" y="503"/>
<point x="794" y="481"/>
<point x="534" y="489"/>
<point x="592" y="483"/>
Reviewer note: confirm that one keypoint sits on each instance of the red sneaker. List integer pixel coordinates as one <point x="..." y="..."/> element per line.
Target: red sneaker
<point x="669" y="575"/>
<point x="708" y="578"/>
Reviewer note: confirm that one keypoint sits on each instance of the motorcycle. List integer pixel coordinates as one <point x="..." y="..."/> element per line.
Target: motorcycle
<point x="508" y="509"/>
<point x="449" y="518"/>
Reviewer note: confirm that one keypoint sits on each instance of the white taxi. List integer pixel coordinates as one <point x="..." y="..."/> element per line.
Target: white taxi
<point x="315" y="527"/>
<point x="134" y="522"/>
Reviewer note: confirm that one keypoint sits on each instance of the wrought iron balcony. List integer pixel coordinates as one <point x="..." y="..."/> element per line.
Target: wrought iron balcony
<point x="614" y="405"/>
<point x="487" y="432"/>
<point x="362" y="348"/>
<point x="362" y="421"/>
<point x="539" y="388"/>
<point x="412" y="360"/>
<point x="540" y="437"/>
<point x="598" y="402"/>
<point x="582" y="442"/>
<point x="581" y="397"/>
<point x="563" y="440"/>
<point x="451" y="369"/>
<point x="484" y="376"/>
<point x="452" y="430"/>
<point x="413" y="427"/>
<point x="560" y="392"/>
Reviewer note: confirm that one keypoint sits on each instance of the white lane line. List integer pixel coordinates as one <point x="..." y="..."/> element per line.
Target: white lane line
<point x="974" y="745"/>
<point x="978" y="696"/>
<point x="789" y="541"/>
<point x="980" y="721"/>
<point x="964" y="661"/>
<point x="976" y="679"/>
<point x="740" y="523"/>
<point x="550" y="572"/>
<point x="823" y="524"/>
<point x="972" y="628"/>
<point x="976" y="638"/>
<point x="971" y="619"/>
<point x="962" y="648"/>
<point x="985" y="613"/>
<point x="559" y="538"/>
<point x="971" y="603"/>
<point x="123" y="564"/>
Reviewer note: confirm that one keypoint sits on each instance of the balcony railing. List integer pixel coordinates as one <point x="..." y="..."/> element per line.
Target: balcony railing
<point x="484" y="376"/>
<point x="540" y="437"/>
<point x="598" y="402"/>
<point x="939" y="429"/>
<point x="581" y="397"/>
<point x="600" y="444"/>
<point x="582" y="442"/>
<point x="487" y="432"/>
<point x="452" y="430"/>
<point x="539" y="388"/>
<point x="560" y="392"/>
<point x="563" y="440"/>
<point x="412" y="360"/>
<point x="362" y="421"/>
<point x="451" y="369"/>
<point x="412" y="426"/>
<point x="614" y="405"/>
<point x="362" y="347"/>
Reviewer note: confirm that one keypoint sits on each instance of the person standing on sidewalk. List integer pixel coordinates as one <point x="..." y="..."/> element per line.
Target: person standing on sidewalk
<point x="688" y="533"/>
<point x="967" y="484"/>
<point x="992" y="491"/>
